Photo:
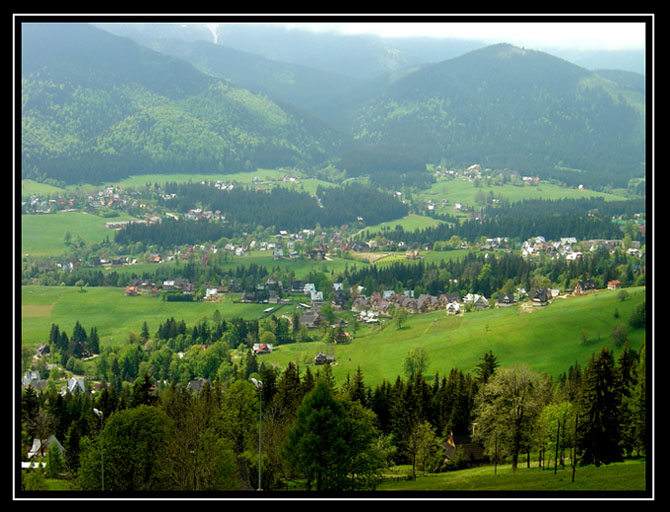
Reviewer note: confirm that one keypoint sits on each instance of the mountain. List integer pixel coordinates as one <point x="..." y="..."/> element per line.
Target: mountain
<point x="504" y="106"/>
<point x="97" y="107"/>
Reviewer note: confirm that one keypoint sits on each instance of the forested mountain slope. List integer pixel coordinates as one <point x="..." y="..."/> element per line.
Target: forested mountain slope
<point x="97" y="107"/>
<point x="504" y="106"/>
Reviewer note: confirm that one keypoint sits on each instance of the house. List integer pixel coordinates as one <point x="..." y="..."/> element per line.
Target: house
<point x="32" y="379"/>
<point x="211" y="294"/>
<point x="476" y="301"/>
<point x="453" y="308"/>
<point x="450" y="297"/>
<point x="360" y="303"/>
<point x="42" y="351"/>
<point x="540" y="297"/>
<point x="583" y="286"/>
<point x="311" y="319"/>
<point x="340" y="298"/>
<point x="322" y="358"/>
<point x="132" y="291"/>
<point x="197" y="384"/>
<point x="472" y="452"/>
<point x="40" y="447"/>
<point x="74" y="385"/>
<point x="614" y="284"/>
<point x="505" y="300"/>
<point x="262" y="348"/>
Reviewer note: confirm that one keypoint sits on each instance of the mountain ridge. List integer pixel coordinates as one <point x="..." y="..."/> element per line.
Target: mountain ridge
<point x="501" y="106"/>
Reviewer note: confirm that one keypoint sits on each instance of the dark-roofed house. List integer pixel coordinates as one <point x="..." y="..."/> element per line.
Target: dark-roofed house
<point x="584" y="286"/>
<point x="311" y="319"/>
<point x="197" y="384"/>
<point x="540" y="297"/>
<point x="471" y="452"/>
<point x="322" y="358"/>
<point x="505" y="300"/>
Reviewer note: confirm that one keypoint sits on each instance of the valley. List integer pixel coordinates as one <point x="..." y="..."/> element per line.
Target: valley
<point x="235" y="252"/>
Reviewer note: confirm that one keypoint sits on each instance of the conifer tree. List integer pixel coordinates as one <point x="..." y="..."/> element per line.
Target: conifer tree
<point x="599" y="435"/>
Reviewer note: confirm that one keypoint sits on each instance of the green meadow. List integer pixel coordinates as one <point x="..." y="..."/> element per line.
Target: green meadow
<point x="629" y="478"/>
<point x="44" y="235"/>
<point x="465" y="192"/>
<point x="549" y="340"/>
<point x="114" y="314"/>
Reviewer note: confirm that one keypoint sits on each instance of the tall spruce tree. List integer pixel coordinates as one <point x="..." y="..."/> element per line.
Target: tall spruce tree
<point x="600" y="402"/>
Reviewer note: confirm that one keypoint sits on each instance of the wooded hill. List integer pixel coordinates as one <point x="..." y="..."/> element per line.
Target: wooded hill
<point x="96" y="107"/>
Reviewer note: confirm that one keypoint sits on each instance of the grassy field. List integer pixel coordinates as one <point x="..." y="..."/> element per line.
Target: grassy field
<point x="44" y="235"/>
<point x="465" y="192"/>
<point x="485" y="481"/>
<point x="548" y="340"/>
<point x="114" y="314"/>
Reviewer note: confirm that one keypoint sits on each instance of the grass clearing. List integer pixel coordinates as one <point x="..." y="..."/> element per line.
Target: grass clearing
<point x="625" y="477"/>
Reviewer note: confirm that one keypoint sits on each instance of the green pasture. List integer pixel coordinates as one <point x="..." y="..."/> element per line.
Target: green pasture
<point x="266" y="176"/>
<point x="626" y="477"/>
<point x="465" y="192"/>
<point x="44" y="235"/>
<point x="549" y="340"/>
<point x="111" y="312"/>
<point x="301" y="266"/>
<point x="32" y="187"/>
<point x="410" y="222"/>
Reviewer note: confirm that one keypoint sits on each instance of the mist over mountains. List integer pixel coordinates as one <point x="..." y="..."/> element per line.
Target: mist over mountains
<point x="97" y="105"/>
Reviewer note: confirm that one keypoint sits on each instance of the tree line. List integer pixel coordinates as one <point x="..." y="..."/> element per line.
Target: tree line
<point x="504" y="272"/>
<point x="156" y="437"/>
<point x="288" y="209"/>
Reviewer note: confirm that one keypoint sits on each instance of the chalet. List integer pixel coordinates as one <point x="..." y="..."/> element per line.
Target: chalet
<point x="262" y="348"/>
<point x="540" y="296"/>
<point x="197" y="384"/>
<point x="476" y="301"/>
<point x="412" y="254"/>
<point x="311" y="319"/>
<point x="132" y="291"/>
<point x="450" y="297"/>
<point x="340" y="298"/>
<point x="32" y="379"/>
<point x="317" y="298"/>
<point x="584" y="286"/>
<point x="297" y="286"/>
<point x="360" y="303"/>
<point x="322" y="358"/>
<point x="614" y="284"/>
<point x="40" y="447"/>
<point x="505" y="300"/>
<point x="472" y="452"/>
<point x="427" y="302"/>
<point x="317" y="253"/>
<point x="453" y="308"/>
<point x="212" y="295"/>
<point x="74" y="385"/>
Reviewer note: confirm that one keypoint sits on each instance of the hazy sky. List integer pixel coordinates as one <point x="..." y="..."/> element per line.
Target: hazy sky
<point x="582" y="35"/>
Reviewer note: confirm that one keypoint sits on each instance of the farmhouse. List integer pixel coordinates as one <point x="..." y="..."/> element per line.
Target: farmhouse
<point x="584" y="286"/>
<point x="322" y="358"/>
<point x="472" y="452"/>
<point x="540" y="297"/>
<point x="476" y="301"/>
<point x="505" y="300"/>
